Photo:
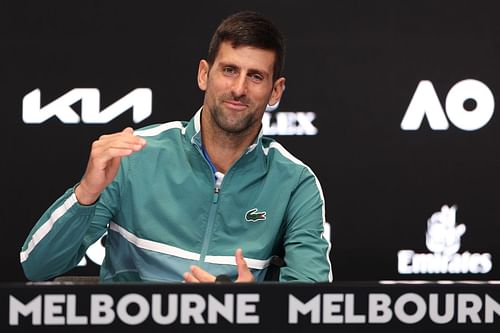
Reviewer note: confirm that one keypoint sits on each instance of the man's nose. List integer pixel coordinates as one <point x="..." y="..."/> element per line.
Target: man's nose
<point x="239" y="85"/>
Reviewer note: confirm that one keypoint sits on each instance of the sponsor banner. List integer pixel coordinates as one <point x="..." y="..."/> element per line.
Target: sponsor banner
<point x="295" y="307"/>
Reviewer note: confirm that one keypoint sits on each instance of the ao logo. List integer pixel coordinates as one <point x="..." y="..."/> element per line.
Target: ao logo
<point x="425" y="102"/>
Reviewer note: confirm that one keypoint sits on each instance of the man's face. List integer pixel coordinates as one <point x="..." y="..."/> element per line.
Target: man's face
<point x="238" y="86"/>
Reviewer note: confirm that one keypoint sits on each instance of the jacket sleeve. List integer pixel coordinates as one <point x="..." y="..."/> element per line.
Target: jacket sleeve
<point x="306" y="247"/>
<point x="60" y="237"/>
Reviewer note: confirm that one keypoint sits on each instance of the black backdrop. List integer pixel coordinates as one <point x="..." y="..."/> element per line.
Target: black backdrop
<point x="355" y="65"/>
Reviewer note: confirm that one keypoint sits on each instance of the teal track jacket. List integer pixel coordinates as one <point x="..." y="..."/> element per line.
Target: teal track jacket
<point x="163" y="213"/>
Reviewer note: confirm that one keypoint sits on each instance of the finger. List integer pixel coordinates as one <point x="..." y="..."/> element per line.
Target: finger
<point x="120" y="141"/>
<point x="240" y="261"/>
<point x="127" y="136"/>
<point x="128" y="130"/>
<point x="202" y="275"/>
<point x="188" y="277"/>
<point x="106" y="160"/>
<point x="133" y="138"/>
<point x="116" y="146"/>
<point x="244" y="274"/>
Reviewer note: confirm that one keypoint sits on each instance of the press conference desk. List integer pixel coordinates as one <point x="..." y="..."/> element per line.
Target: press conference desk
<point x="466" y="306"/>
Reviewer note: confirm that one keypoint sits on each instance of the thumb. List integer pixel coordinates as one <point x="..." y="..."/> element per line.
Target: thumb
<point x="244" y="274"/>
<point x="128" y="130"/>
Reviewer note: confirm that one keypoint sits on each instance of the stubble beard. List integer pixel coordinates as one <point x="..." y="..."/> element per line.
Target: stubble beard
<point x="232" y="125"/>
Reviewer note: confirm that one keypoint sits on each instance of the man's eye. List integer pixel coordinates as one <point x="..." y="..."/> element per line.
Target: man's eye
<point x="228" y="70"/>
<point x="256" y="77"/>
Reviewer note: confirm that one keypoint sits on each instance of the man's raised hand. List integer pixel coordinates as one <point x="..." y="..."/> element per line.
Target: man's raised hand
<point x="104" y="162"/>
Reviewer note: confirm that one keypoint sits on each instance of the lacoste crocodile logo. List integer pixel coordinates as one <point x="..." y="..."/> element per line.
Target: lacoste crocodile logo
<point x="253" y="215"/>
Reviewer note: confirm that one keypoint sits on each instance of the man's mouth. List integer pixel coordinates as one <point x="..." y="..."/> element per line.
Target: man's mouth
<point x="235" y="105"/>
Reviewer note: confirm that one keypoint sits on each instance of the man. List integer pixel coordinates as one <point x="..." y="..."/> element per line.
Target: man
<point x="179" y="201"/>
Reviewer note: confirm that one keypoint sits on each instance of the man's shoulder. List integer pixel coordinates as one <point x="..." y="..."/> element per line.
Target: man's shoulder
<point x="278" y="153"/>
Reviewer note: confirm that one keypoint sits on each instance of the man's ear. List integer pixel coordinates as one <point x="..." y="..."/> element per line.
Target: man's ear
<point x="278" y="88"/>
<point x="203" y="69"/>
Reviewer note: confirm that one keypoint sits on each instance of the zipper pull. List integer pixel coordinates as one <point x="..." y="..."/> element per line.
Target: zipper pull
<point x="219" y="176"/>
<point x="216" y="195"/>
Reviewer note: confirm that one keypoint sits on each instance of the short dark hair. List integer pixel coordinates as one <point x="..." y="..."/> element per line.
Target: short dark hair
<point x="250" y="28"/>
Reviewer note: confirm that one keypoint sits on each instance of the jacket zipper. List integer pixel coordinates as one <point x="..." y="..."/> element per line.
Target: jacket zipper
<point x="211" y="217"/>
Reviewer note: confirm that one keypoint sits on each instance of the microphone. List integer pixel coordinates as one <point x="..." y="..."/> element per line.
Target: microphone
<point x="277" y="261"/>
<point x="222" y="278"/>
<point x="273" y="271"/>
